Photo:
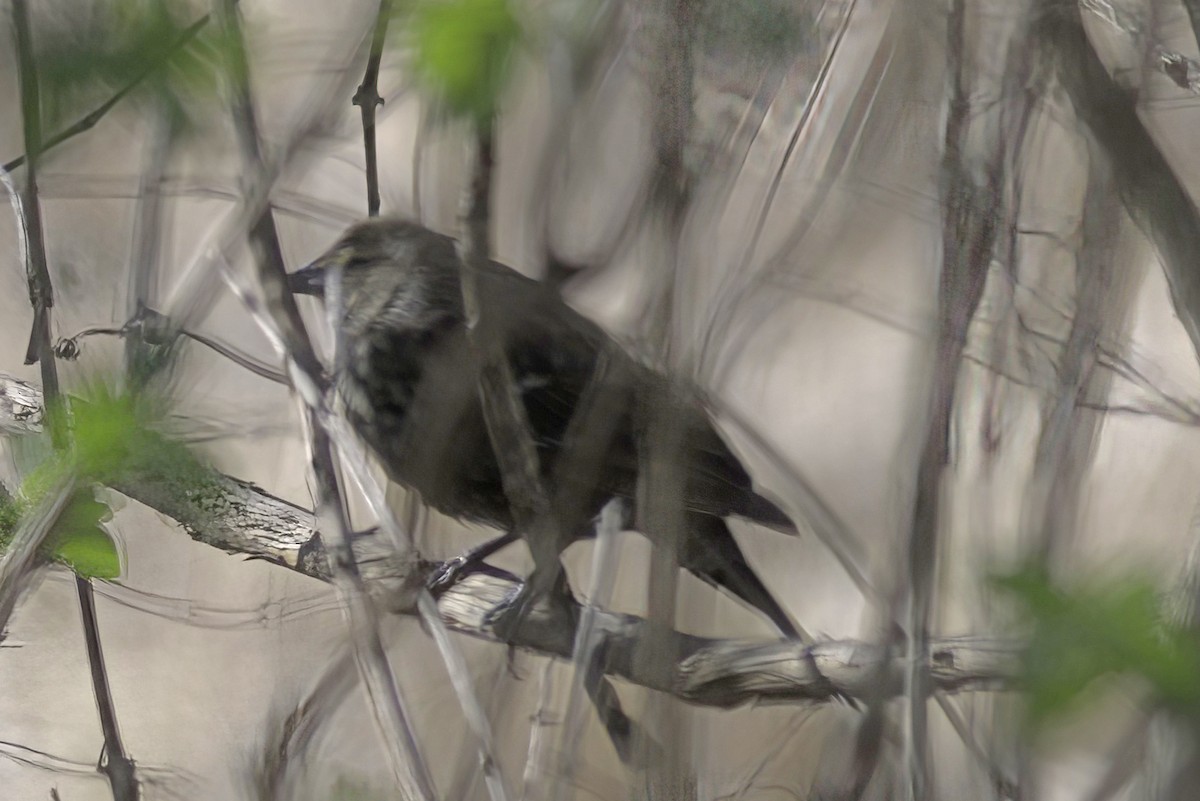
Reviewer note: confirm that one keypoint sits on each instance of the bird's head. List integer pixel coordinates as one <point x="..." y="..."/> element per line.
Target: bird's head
<point x="393" y="273"/>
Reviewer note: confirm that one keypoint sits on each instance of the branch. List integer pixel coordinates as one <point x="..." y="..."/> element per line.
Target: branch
<point x="304" y="368"/>
<point x="969" y="209"/>
<point x="239" y="517"/>
<point x="89" y="120"/>
<point x="41" y="293"/>
<point x="368" y="100"/>
<point x="116" y="765"/>
<point x="1150" y="191"/>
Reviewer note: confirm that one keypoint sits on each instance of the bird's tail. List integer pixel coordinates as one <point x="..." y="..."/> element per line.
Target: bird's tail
<point x="711" y="553"/>
<point x="766" y="513"/>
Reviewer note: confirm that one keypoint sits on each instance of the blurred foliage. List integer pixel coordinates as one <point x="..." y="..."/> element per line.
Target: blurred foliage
<point x="347" y="789"/>
<point x="463" y="50"/>
<point x="175" y="60"/>
<point x="1112" y="626"/>
<point x="113" y="441"/>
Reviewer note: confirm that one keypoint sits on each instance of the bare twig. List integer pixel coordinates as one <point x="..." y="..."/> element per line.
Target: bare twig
<point x="41" y="293"/>
<point x="507" y="421"/>
<point x="116" y="766"/>
<point x="89" y="120"/>
<point x="730" y="296"/>
<point x="149" y="326"/>
<point x="585" y="651"/>
<point x="1103" y="297"/>
<point x="305" y="370"/>
<point x="368" y="100"/>
<point x="1148" y="187"/>
<point x="968" y="235"/>
<point x="143" y="273"/>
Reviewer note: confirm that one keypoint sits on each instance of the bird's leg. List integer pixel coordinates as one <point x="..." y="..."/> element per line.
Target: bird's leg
<point x="547" y="584"/>
<point x="447" y="574"/>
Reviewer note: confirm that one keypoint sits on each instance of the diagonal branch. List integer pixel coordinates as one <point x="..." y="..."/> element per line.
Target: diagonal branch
<point x="1149" y="189"/>
<point x="89" y="120"/>
<point x="305" y="371"/>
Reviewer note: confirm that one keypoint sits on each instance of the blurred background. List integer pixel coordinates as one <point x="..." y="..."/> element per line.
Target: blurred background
<point x="931" y="258"/>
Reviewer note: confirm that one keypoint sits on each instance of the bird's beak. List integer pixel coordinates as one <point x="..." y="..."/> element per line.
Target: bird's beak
<point x="308" y="281"/>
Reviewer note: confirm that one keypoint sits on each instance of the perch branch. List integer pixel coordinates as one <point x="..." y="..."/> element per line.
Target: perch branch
<point x="239" y="517"/>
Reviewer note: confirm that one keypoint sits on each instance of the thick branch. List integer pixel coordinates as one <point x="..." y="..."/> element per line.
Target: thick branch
<point x="241" y="518"/>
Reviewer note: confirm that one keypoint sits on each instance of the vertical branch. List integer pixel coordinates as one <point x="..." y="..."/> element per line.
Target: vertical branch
<point x="507" y="422"/>
<point x="304" y="368"/>
<point x="143" y="273"/>
<point x="660" y="489"/>
<point x="969" y="208"/>
<point x="41" y="293"/>
<point x="117" y="766"/>
<point x="1103" y="298"/>
<point x="368" y="101"/>
<point x="588" y="644"/>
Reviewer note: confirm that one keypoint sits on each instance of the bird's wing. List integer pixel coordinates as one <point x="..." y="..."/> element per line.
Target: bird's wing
<point x="554" y="352"/>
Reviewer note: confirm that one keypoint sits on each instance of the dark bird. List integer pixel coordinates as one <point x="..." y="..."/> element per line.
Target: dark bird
<point x="406" y="377"/>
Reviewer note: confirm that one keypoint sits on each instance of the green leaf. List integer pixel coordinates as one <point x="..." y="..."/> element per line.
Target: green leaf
<point x="463" y="49"/>
<point x="80" y="543"/>
<point x="1080" y="634"/>
<point x="10" y="518"/>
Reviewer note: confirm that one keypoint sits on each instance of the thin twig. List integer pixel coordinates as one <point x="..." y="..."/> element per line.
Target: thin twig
<point x="41" y="292"/>
<point x="729" y="297"/>
<point x="968" y="237"/>
<point x="116" y="766"/>
<point x="89" y="120"/>
<point x="143" y="273"/>
<point x="368" y="100"/>
<point x="507" y="421"/>
<point x="1150" y="190"/>
<point x="305" y="370"/>
<point x="588" y="639"/>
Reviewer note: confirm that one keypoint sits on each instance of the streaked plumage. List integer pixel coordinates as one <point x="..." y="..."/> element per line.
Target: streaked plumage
<point x="411" y="393"/>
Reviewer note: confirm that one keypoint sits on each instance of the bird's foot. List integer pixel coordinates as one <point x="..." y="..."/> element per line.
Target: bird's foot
<point x="447" y="574"/>
<point x="548" y="600"/>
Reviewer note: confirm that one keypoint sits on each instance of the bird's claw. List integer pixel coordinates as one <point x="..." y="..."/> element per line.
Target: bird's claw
<point x="446" y="575"/>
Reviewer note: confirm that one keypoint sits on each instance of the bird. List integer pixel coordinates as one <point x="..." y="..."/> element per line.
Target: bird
<point x="405" y="377"/>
